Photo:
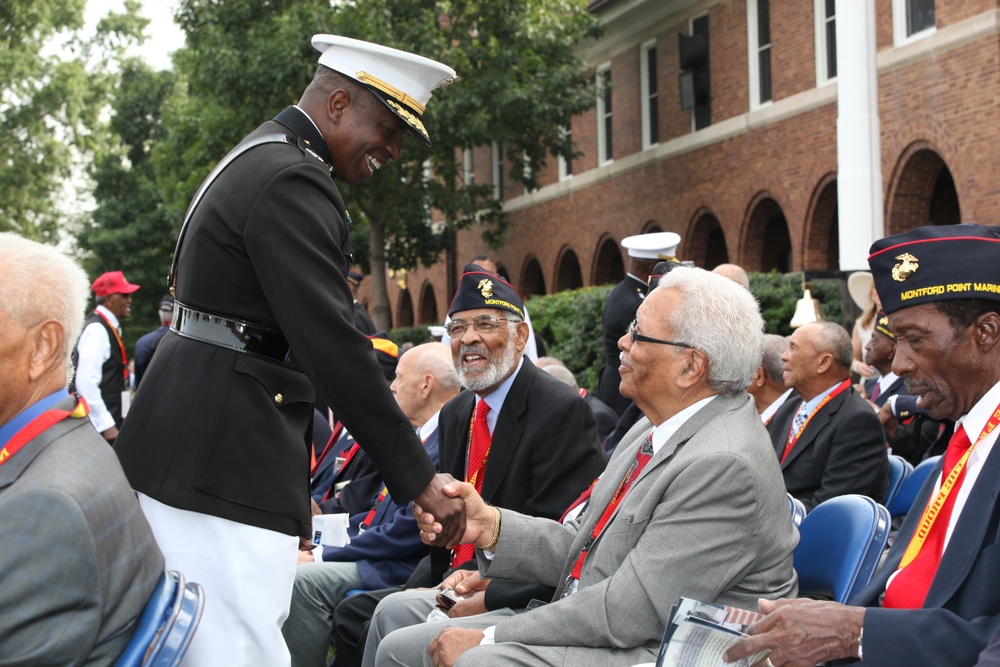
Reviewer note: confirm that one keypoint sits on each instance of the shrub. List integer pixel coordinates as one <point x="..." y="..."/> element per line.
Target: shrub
<point x="570" y="324"/>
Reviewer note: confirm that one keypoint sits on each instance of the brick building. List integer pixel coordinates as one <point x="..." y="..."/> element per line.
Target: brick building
<point x="751" y="176"/>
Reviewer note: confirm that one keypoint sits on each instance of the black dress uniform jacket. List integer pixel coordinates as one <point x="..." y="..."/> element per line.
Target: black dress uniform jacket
<point x="225" y="433"/>
<point x="619" y="311"/>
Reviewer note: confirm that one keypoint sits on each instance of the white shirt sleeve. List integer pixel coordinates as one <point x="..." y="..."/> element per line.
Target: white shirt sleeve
<point x="488" y="636"/>
<point x="94" y="349"/>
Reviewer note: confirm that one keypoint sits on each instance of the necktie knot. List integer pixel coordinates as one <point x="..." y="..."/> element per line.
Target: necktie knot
<point x="482" y="410"/>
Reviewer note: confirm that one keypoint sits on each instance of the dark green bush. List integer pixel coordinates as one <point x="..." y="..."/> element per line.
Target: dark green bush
<point x="415" y="335"/>
<point x="778" y="294"/>
<point x="570" y="324"/>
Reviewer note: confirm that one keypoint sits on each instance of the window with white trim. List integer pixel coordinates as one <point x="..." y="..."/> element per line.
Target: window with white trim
<point x="649" y="90"/>
<point x="912" y="20"/>
<point x="826" y="41"/>
<point x="604" y="137"/>
<point x="497" y="171"/>
<point x="468" y="167"/>
<point x="759" y="39"/>
<point x="566" y="166"/>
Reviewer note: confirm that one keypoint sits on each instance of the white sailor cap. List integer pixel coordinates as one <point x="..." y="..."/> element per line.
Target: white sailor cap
<point x="657" y="245"/>
<point x="403" y="81"/>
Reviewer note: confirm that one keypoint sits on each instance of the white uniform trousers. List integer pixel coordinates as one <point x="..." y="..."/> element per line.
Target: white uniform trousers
<point x="247" y="574"/>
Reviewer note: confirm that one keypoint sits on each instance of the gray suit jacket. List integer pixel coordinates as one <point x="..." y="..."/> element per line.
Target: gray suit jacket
<point x="707" y="518"/>
<point x="78" y="561"/>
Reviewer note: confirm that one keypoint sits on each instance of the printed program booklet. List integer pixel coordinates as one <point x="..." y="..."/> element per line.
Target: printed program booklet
<point x="700" y="632"/>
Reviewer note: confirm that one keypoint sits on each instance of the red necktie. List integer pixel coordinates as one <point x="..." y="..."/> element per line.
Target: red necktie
<point x="479" y="449"/>
<point x="909" y="587"/>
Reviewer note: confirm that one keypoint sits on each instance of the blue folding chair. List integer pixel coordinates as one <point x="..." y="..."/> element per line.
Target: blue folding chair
<point x="797" y="508"/>
<point x="840" y="544"/>
<point x="899" y="470"/>
<point x="164" y="631"/>
<point x="901" y="503"/>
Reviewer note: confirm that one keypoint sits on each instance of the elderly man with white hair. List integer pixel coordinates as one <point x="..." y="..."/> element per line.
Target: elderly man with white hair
<point x="79" y="560"/>
<point x="690" y="505"/>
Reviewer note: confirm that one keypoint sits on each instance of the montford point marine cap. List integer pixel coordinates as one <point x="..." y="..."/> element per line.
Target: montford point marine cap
<point x="936" y="263"/>
<point x="402" y="81"/>
<point x="355" y="277"/>
<point x="660" y="269"/>
<point x="479" y="289"/>
<point x="882" y="325"/>
<point x="657" y="245"/>
<point x="112" y="282"/>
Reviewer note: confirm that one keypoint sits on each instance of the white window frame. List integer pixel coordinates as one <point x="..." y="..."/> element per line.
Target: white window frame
<point x="602" y="114"/>
<point x="644" y="81"/>
<point x="752" y="59"/>
<point x="496" y="162"/>
<point x="899" y="36"/>
<point x="468" y="167"/>
<point x="822" y="66"/>
<point x="564" y="165"/>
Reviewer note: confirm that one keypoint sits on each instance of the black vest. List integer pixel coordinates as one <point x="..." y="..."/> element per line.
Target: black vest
<point x="112" y="372"/>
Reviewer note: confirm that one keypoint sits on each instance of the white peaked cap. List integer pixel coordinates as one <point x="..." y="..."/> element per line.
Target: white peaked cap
<point x="657" y="245"/>
<point x="402" y="81"/>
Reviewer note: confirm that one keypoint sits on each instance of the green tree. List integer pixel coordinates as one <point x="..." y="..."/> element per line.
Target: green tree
<point x="520" y="80"/>
<point x="55" y="85"/>
<point x="129" y="230"/>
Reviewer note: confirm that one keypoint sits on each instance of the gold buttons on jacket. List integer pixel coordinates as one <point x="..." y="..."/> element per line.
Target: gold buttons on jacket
<point x="278" y="398"/>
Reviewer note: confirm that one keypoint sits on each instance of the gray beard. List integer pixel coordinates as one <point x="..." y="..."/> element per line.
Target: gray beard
<point x="498" y="371"/>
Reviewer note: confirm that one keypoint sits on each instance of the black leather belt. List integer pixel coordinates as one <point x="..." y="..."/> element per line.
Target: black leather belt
<point x="246" y="337"/>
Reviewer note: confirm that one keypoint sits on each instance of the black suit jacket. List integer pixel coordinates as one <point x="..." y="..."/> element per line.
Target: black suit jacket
<point x="545" y="452"/>
<point x="842" y="450"/>
<point x="619" y="311"/>
<point x="227" y="434"/>
<point x="962" y="609"/>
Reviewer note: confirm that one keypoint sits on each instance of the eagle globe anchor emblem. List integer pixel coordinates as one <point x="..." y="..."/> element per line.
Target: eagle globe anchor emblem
<point x="908" y="265"/>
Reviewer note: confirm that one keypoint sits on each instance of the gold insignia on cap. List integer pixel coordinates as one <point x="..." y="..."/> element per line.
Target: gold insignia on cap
<point x="389" y="89"/>
<point x="412" y="120"/>
<point x="884" y="321"/>
<point x="908" y="265"/>
<point x="485" y="288"/>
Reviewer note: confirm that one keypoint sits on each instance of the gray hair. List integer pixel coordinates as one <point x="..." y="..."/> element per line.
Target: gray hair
<point x="40" y="283"/>
<point x="774" y="347"/>
<point x="834" y="339"/>
<point x="562" y="374"/>
<point x="722" y="320"/>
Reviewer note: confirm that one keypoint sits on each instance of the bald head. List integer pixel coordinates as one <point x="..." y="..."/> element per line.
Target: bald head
<point x="425" y="380"/>
<point x="735" y="273"/>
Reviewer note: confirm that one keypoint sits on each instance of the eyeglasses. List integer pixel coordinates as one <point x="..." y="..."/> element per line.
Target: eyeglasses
<point x="483" y="324"/>
<point x="648" y="339"/>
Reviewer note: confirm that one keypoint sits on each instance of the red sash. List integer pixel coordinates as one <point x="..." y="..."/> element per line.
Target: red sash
<point x="38" y="425"/>
<point x="121" y="345"/>
<point x="794" y="437"/>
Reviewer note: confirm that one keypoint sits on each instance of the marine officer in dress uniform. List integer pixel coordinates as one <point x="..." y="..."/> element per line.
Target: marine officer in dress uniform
<point x="644" y="251"/>
<point x="218" y="443"/>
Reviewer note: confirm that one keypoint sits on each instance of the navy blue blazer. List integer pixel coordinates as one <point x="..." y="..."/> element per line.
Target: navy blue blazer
<point x="390" y="548"/>
<point x="962" y="609"/>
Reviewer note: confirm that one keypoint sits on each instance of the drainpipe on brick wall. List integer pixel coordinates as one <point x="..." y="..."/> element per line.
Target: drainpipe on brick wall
<point x="859" y="163"/>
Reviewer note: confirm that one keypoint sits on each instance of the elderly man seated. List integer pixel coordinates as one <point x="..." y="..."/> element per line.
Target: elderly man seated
<point x="78" y="561"/>
<point x="691" y="504"/>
